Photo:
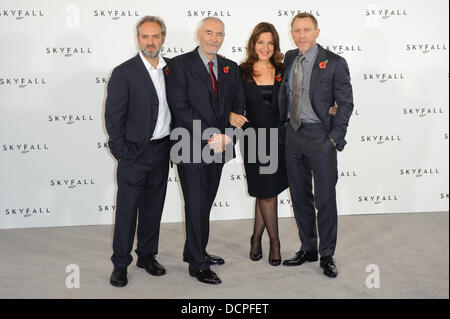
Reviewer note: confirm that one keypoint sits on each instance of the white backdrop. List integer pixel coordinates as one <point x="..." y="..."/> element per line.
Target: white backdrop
<point x="56" y="57"/>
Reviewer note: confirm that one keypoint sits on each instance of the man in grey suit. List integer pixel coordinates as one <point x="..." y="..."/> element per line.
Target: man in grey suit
<point x="315" y="78"/>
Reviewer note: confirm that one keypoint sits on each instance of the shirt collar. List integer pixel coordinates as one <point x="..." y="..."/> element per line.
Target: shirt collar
<point x="310" y="56"/>
<point x="161" y="62"/>
<point x="205" y="59"/>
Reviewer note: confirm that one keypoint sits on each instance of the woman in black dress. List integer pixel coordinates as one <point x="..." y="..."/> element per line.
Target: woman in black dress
<point x="262" y="75"/>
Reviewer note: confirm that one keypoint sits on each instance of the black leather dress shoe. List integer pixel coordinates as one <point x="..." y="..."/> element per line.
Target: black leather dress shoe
<point x="119" y="277"/>
<point x="206" y="276"/>
<point x="300" y="258"/>
<point x="151" y="265"/>
<point x="214" y="260"/>
<point x="328" y="266"/>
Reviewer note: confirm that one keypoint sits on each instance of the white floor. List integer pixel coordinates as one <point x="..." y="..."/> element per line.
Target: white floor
<point x="411" y="252"/>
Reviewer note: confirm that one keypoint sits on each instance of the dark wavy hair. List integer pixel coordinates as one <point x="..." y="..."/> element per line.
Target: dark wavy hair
<point x="252" y="57"/>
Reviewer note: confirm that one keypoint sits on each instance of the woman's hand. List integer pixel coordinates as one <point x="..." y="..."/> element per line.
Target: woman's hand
<point x="333" y="109"/>
<point x="237" y="120"/>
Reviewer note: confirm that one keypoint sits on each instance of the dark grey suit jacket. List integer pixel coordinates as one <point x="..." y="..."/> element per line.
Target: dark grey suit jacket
<point x="328" y="85"/>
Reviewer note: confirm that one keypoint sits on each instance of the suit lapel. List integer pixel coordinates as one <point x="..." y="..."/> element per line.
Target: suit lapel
<point x="288" y="64"/>
<point x="315" y="75"/>
<point x="221" y="77"/>
<point x="166" y="70"/>
<point x="201" y="71"/>
<point x="143" y="72"/>
<point x="282" y="95"/>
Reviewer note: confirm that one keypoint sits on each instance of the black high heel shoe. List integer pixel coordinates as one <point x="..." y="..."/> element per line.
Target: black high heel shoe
<point x="258" y="255"/>
<point x="274" y="262"/>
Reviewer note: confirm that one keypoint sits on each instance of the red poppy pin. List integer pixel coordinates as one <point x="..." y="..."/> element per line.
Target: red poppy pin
<point x="166" y="70"/>
<point x="323" y="64"/>
<point x="226" y="69"/>
<point x="278" y="77"/>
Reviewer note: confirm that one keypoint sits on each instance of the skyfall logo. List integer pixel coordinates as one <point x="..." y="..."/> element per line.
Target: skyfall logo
<point x="284" y="202"/>
<point x="381" y="139"/>
<point x="68" y="51"/>
<point x="386" y="13"/>
<point x="106" y="209"/>
<point x="238" y="49"/>
<point x="235" y="178"/>
<point x="21" y="14"/>
<point x="22" y="82"/>
<point x="426" y="47"/>
<point x="419" y="172"/>
<point x="208" y="13"/>
<point x="347" y="174"/>
<point x="115" y="14"/>
<point x="26" y="212"/>
<point x="102" y="145"/>
<point x="172" y="50"/>
<point x="70" y="118"/>
<point x="383" y="77"/>
<point x="423" y="111"/>
<point x="101" y="80"/>
<point x="377" y="199"/>
<point x="221" y="204"/>
<point x="172" y="179"/>
<point x="292" y="13"/>
<point x="343" y="48"/>
<point x="71" y="183"/>
<point x="24" y="148"/>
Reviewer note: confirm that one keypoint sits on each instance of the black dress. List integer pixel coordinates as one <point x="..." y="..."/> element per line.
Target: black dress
<point x="262" y="112"/>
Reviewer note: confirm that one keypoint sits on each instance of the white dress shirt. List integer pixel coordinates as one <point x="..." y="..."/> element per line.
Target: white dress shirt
<point x="162" y="128"/>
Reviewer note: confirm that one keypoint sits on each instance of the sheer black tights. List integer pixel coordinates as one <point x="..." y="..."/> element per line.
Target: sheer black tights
<point x="266" y="217"/>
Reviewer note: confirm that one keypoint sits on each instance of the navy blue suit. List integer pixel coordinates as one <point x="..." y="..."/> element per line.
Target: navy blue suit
<point x="192" y="98"/>
<point x="131" y="114"/>
<point x="310" y="153"/>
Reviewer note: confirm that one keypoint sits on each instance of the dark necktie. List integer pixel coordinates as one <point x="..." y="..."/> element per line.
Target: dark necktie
<point x="296" y="94"/>
<point x="213" y="77"/>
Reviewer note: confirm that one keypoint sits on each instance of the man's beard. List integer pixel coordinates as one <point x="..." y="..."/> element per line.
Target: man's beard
<point x="149" y="55"/>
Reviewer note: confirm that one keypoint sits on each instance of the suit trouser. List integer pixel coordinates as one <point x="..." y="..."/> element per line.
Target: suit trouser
<point x="310" y="154"/>
<point x="142" y="185"/>
<point x="199" y="185"/>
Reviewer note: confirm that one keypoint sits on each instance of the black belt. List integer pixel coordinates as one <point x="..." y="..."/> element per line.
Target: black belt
<point x="161" y="140"/>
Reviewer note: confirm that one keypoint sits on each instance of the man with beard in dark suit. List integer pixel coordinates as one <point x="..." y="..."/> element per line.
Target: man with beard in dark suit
<point x="138" y="122"/>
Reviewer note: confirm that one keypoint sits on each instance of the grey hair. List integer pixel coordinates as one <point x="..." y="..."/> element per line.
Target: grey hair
<point x="157" y="20"/>
<point x="201" y="23"/>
